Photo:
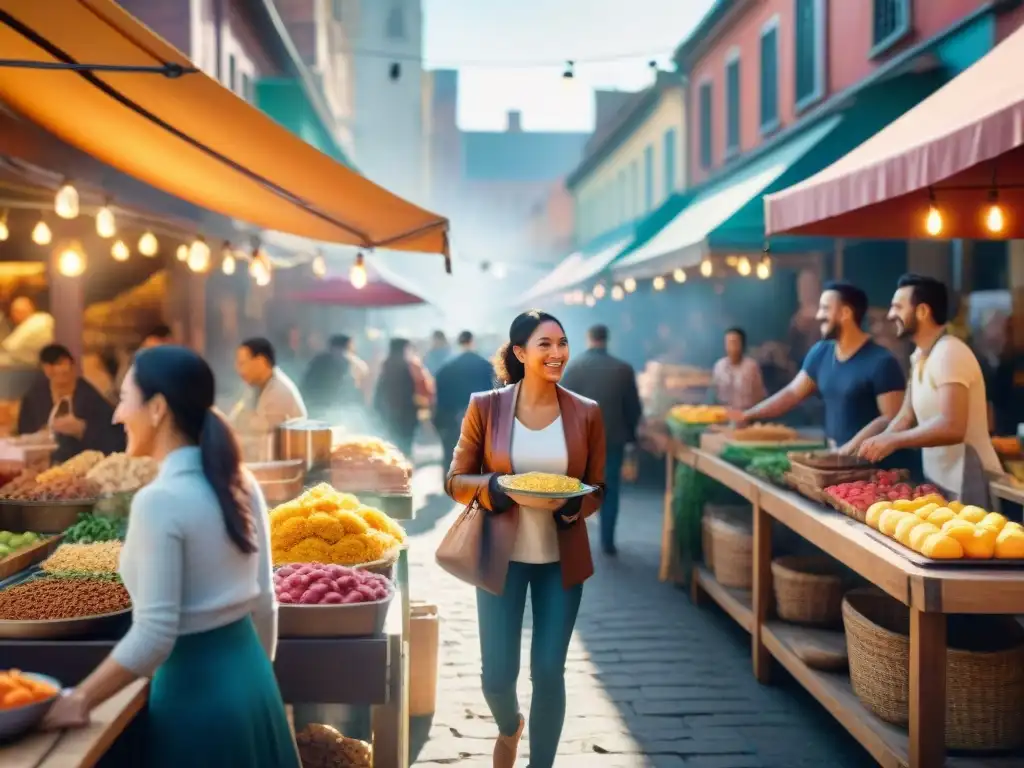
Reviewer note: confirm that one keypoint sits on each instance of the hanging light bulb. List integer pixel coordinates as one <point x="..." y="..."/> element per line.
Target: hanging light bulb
<point x="617" y="293"/>
<point x="679" y="275"/>
<point x="182" y="252"/>
<point x="590" y="300"/>
<point x="357" y="275"/>
<point x="577" y="296"/>
<point x="65" y="203"/>
<point x="706" y="268"/>
<point x="4" y="231"/>
<point x="933" y="222"/>
<point x="599" y="291"/>
<point x="41" y="234"/>
<point x="995" y="219"/>
<point x="106" y="226"/>
<point x="120" y="251"/>
<point x="658" y="283"/>
<point x="260" y="268"/>
<point x="227" y="264"/>
<point x="732" y="260"/>
<point x="629" y="284"/>
<point x="319" y="266"/>
<point x="148" y="245"/>
<point x="743" y="266"/>
<point x="764" y="270"/>
<point x="199" y="256"/>
<point x="71" y="262"/>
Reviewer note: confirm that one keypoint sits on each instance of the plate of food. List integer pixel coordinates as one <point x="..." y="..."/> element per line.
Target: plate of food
<point x="542" y="485"/>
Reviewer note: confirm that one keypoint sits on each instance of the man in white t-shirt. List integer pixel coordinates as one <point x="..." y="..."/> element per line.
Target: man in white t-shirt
<point x="945" y="412"/>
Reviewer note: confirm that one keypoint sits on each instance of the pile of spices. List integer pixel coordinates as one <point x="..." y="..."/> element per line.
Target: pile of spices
<point x="98" y="557"/>
<point x="48" y="598"/>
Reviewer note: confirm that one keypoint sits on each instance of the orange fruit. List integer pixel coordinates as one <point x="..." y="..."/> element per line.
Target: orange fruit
<point x="980" y="546"/>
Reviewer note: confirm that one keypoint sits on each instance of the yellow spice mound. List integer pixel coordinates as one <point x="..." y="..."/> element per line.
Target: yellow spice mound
<point x="541" y="482"/>
<point x="323" y="525"/>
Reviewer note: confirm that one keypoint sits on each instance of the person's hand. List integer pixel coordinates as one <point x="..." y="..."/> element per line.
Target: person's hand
<point x="877" y="448"/>
<point x="70" y="710"/>
<point x="69" y="425"/>
<point x="848" y="449"/>
<point x="737" y="417"/>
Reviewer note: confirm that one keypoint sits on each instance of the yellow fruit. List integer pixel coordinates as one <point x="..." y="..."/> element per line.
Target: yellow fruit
<point x="1012" y="525"/>
<point x="904" y="527"/>
<point x="1010" y="544"/>
<point x="923" y="511"/>
<point x="907" y="505"/>
<point x="956" y="522"/>
<point x="920" y="533"/>
<point x="994" y="521"/>
<point x="875" y="512"/>
<point x="938" y="546"/>
<point x="972" y="514"/>
<point x="956" y="506"/>
<point x="980" y="546"/>
<point x="890" y="519"/>
<point x="932" y="498"/>
<point x="941" y="516"/>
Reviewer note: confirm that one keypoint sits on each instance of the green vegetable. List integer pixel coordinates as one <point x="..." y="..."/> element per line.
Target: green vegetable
<point x="97" y="575"/>
<point x="90" y="528"/>
<point x="770" y="466"/>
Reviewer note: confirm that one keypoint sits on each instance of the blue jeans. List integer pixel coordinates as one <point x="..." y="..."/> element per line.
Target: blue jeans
<point x="614" y="456"/>
<point x="501" y="630"/>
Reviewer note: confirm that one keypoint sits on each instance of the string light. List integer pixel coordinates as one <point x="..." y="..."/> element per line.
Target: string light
<point x="319" y="266"/>
<point x="148" y="244"/>
<point x="71" y="262"/>
<point x="41" y="234"/>
<point x="357" y="275"/>
<point x="933" y="221"/>
<point x="260" y="268"/>
<point x="590" y="300"/>
<point x="106" y="226"/>
<point x="706" y="268"/>
<point x="182" y="252"/>
<point x="65" y="203"/>
<point x="120" y="251"/>
<point x="199" y="256"/>
<point x="659" y="283"/>
<point x="227" y="264"/>
<point x="599" y="291"/>
<point x="629" y="284"/>
<point x="743" y="266"/>
<point x="5" y="232"/>
<point x="995" y="219"/>
<point x="617" y="293"/>
<point x="577" y="296"/>
<point x="764" y="270"/>
<point x="679" y="275"/>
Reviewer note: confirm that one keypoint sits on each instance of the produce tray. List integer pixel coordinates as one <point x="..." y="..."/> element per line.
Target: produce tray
<point x="26" y="558"/>
<point x="583" y="491"/>
<point x="59" y="629"/>
<point x="808" y="490"/>
<point x="926" y="562"/>
<point x="843" y="506"/>
<point x="792" y="445"/>
<point x="356" y="620"/>
<point x="808" y="470"/>
<point x="42" y="516"/>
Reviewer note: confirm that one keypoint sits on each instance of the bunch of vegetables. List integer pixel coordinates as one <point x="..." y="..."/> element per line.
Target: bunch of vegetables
<point x="770" y="466"/>
<point x="741" y="455"/>
<point x="91" y="528"/>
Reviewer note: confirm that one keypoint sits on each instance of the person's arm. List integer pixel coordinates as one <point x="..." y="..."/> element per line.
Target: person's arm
<point x="264" y="612"/>
<point x="905" y="419"/>
<point x="465" y="480"/>
<point x="783" y="401"/>
<point x="757" y="379"/>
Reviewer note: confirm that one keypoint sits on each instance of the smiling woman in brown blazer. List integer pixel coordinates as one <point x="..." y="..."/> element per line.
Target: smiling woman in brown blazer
<point x="530" y="425"/>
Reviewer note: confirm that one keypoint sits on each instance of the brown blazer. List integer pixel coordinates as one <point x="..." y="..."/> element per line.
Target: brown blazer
<point x="485" y="449"/>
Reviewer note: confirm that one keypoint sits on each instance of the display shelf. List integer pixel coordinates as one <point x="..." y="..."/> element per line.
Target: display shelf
<point x="735" y="602"/>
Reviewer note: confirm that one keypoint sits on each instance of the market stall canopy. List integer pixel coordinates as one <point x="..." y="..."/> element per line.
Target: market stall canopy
<point x="951" y="150"/>
<point x="576" y="269"/>
<point x="145" y="110"/>
<point x="339" y="291"/>
<point x="683" y="242"/>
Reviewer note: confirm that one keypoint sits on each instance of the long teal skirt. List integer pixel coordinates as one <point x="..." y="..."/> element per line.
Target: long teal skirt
<point x="215" y="702"/>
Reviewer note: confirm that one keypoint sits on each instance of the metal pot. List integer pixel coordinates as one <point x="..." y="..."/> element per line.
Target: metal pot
<point x="280" y="481"/>
<point x="304" y="439"/>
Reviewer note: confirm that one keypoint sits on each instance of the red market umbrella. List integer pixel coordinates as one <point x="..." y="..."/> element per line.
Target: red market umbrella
<point x="339" y="291"/>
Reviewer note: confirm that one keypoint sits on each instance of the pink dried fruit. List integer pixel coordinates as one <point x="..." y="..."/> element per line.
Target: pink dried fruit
<point x="352" y="598"/>
<point x="332" y="598"/>
<point x="284" y="597"/>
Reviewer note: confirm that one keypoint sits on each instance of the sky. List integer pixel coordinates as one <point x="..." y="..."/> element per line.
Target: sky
<point x="511" y="54"/>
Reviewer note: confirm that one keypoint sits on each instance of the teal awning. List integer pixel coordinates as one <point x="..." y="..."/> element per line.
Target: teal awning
<point x="285" y="100"/>
<point x="578" y="267"/>
<point x="684" y="240"/>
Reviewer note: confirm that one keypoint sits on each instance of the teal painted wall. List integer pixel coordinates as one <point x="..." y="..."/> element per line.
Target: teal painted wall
<point x="284" y="100"/>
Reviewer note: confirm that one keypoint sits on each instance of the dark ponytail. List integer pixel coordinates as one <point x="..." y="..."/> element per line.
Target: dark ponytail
<point x="186" y="382"/>
<point x="507" y="367"/>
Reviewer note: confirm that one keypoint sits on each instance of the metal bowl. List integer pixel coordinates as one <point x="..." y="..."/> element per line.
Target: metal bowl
<point x="42" y="516"/>
<point x="15" y="722"/>
<point x="107" y="624"/>
<point x="354" y="620"/>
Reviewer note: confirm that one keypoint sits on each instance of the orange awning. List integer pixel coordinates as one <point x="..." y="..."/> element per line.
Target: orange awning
<point x="952" y="149"/>
<point x="188" y="135"/>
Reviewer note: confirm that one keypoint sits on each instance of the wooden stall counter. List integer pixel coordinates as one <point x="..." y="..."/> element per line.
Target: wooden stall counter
<point x="81" y="747"/>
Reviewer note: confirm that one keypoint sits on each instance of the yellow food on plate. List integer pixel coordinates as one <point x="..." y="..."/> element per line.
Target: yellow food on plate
<point x="932" y="498"/>
<point x="1012" y="525"/>
<point x="1010" y="544"/>
<point x="541" y="482"/>
<point x="923" y="511"/>
<point x="941" y="516"/>
<point x="938" y="546"/>
<point x="972" y="514"/>
<point x="994" y="521"/>
<point x="908" y="505"/>
<point x="875" y="512"/>
<point x="920" y="533"/>
<point x="956" y="506"/>
<point x="956" y="522"/>
<point x="904" y="527"/>
<point x="980" y="546"/>
<point x="890" y="519"/>
<point x="962" y="533"/>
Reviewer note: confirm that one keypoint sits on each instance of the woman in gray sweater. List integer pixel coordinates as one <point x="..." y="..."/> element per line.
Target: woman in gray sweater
<point x="196" y="561"/>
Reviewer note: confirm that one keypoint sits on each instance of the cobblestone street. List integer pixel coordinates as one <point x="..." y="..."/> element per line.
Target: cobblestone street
<point x="652" y="680"/>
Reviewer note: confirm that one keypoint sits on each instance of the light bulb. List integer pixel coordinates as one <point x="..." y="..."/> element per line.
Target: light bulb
<point x="357" y="275"/>
<point x="148" y="245"/>
<point x="319" y="266"/>
<point x="41" y="234"/>
<point x="260" y="268"/>
<point x="65" y="203"/>
<point x="933" y="222"/>
<point x="995" y="220"/>
<point x="120" y="251"/>
<point x="732" y="261"/>
<point x="71" y="261"/>
<point x="5" y="232"/>
<point x="105" y="224"/>
<point x="679" y="275"/>
<point x="199" y="255"/>
<point x="617" y="293"/>
<point x="227" y="266"/>
<point x="659" y="283"/>
<point x="182" y="252"/>
<point x="764" y="270"/>
<point x="706" y="268"/>
<point x="590" y="300"/>
<point x="629" y="284"/>
<point x="577" y="296"/>
<point x="743" y="266"/>
<point x="599" y="291"/>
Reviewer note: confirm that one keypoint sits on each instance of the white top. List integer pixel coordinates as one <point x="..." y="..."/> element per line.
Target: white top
<point x="279" y="400"/>
<point x="541" y="450"/>
<point x="27" y="340"/>
<point x="951" y="361"/>
<point x="183" y="573"/>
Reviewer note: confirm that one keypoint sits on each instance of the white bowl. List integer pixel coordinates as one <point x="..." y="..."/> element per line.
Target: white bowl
<point x="14" y="722"/>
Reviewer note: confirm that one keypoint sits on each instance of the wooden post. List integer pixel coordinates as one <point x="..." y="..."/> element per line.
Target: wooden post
<point x="762" y="596"/>
<point x="67" y="305"/>
<point x="667" y="568"/>
<point x="927" y="702"/>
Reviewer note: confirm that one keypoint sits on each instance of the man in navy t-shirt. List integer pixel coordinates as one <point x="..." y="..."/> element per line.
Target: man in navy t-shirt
<point x="860" y="382"/>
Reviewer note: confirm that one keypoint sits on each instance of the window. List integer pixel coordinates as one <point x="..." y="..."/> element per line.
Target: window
<point x="669" y="158"/>
<point x="634" y="190"/>
<point x="770" y="76"/>
<point x="706" y="124"/>
<point x="891" y="23"/>
<point x="648" y="178"/>
<point x="232" y="73"/>
<point x="732" y="104"/>
<point x="396" y="24"/>
<point x="810" y="52"/>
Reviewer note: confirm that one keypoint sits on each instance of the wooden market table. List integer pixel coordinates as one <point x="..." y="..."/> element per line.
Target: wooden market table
<point x="929" y="593"/>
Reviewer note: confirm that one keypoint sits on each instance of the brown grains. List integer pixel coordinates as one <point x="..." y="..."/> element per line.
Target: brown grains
<point x="49" y="598"/>
<point x="98" y="557"/>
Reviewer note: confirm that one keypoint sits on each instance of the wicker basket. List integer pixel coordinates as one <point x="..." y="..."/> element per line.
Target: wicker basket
<point x="385" y="566"/>
<point x="733" y="547"/>
<point x="808" y="590"/>
<point x="984" y="670"/>
<point x="706" y="542"/>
